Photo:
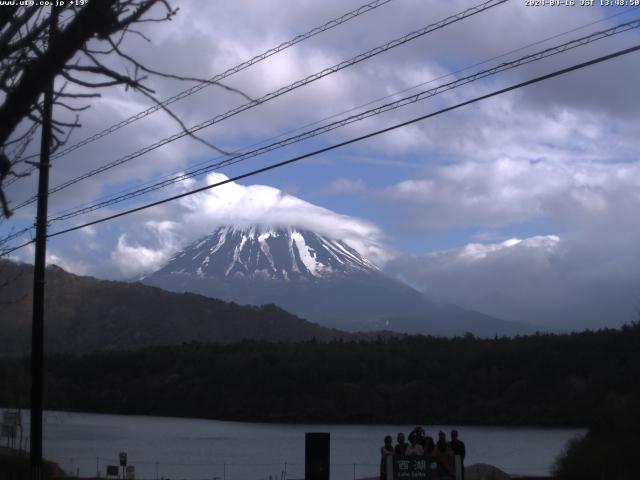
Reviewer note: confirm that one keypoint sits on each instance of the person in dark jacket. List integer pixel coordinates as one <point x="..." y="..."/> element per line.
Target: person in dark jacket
<point x="401" y="446"/>
<point x="443" y="454"/>
<point x="420" y="435"/>
<point x="424" y="440"/>
<point x="414" y="449"/>
<point x="429" y="445"/>
<point x="458" y="448"/>
<point x="441" y="445"/>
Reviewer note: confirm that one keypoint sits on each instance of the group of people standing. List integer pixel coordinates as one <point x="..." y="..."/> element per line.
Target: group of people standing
<point x="421" y="444"/>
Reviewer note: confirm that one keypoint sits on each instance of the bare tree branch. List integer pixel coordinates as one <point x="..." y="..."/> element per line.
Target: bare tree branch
<point x="179" y="77"/>
<point x="77" y="51"/>
<point x="71" y="108"/>
<point x="184" y="127"/>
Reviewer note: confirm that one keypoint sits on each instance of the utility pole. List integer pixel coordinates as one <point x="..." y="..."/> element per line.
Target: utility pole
<point x="37" y="332"/>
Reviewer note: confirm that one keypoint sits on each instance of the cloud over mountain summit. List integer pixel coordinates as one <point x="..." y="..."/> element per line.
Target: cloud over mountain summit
<point x="242" y="206"/>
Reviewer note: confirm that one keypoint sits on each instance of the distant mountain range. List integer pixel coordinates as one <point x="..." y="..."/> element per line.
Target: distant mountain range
<point x="83" y="314"/>
<point x="318" y="278"/>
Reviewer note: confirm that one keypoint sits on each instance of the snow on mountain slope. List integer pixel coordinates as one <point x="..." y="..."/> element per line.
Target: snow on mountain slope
<point x="267" y="253"/>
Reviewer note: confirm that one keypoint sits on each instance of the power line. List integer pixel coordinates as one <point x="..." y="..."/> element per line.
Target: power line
<point x="353" y="140"/>
<point x="11" y="236"/>
<point x="216" y="78"/>
<point x="178" y="173"/>
<point x="207" y="166"/>
<point x="277" y="93"/>
<point x="357" y="117"/>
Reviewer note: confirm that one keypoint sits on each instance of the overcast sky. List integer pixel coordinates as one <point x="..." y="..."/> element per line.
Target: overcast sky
<point x="523" y="206"/>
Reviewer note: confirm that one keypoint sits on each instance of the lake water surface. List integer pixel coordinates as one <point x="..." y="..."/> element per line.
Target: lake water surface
<point x="182" y="448"/>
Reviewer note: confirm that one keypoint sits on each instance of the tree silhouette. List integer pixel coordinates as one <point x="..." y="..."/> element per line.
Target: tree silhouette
<point x="85" y="36"/>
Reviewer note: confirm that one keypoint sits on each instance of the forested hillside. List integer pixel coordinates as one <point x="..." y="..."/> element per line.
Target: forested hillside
<point x="536" y="380"/>
<point x="84" y="314"/>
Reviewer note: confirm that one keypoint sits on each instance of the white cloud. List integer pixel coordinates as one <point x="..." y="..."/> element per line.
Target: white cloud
<point x="157" y="238"/>
<point x="134" y="260"/>
<point x="70" y="265"/>
<point x="545" y="280"/>
<point x="478" y="251"/>
<point x="506" y="191"/>
<point x="341" y="186"/>
<point x="235" y="204"/>
<point x="235" y="31"/>
<point x="53" y="257"/>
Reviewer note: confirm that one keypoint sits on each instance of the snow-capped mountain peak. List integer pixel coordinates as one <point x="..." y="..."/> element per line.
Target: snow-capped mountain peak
<point x="269" y="253"/>
<point x="312" y="276"/>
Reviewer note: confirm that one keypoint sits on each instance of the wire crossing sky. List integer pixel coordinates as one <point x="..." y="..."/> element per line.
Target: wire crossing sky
<point x="358" y="117"/>
<point x="216" y="78"/>
<point x="339" y="145"/>
<point x="277" y="93"/>
<point x="204" y="167"/>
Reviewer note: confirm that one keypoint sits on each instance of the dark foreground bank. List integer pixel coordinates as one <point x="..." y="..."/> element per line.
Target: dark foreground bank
<point x="15" y="466"/>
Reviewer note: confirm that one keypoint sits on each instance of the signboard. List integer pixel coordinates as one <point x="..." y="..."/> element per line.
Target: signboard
<point x="112" y="471"/>
<point x="11" y="418"/>
<point x="418" y="468"/>
<point x="123" y="459"/>
<point x="130" y="472"/>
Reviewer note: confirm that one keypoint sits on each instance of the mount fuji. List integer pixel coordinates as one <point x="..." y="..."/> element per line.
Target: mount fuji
<point x="316" y="277"/>
<point x="268" y="254"/>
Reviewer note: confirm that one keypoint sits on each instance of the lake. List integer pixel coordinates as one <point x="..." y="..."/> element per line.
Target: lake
<point x="184" y="448"/>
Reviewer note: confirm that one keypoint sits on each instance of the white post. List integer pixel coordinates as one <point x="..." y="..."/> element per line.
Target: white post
<point x="458" y="467"/>
<point x="389" y="466"/>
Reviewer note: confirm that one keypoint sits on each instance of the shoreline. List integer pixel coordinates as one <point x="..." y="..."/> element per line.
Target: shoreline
<point x="14" y="462"/>
<point x="312" y="421"/>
